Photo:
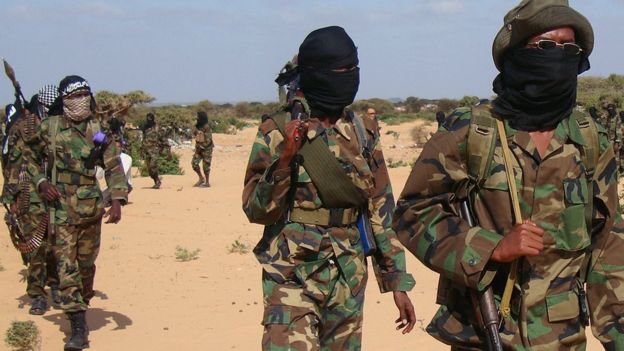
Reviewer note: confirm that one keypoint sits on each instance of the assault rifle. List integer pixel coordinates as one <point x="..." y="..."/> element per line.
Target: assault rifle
<point x="487" y="313"/>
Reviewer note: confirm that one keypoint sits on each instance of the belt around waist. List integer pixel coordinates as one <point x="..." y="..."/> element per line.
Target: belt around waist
<point x="330" y="217"/>
<point x="74" y="179"/>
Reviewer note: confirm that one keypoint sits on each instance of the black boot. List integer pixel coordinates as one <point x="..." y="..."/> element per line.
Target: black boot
<point x="38" y="306"/>
<point x="56" y="295"/>
<point x="157" y="183"/>
<point x="79" y="332"/>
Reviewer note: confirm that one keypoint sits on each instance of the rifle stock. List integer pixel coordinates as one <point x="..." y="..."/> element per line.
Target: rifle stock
<point x="487" y="313"/>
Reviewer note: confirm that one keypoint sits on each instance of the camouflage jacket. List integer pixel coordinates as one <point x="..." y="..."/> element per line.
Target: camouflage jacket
<point x="286" y="246"/>
<point x="154" y="140"/>
<point x="18" y="158"/>
<point x="203" y="138"/>
<point x="614" y="128"/>
<point x="81" y="198"/>
<point x="553" y="194"/>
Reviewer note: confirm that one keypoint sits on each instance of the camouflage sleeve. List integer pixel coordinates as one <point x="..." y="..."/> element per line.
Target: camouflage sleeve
<point x="427" y="222"/>
<point x="389" y="260"/>
<point x="208" y="134"/>
<point x="605" y="280"/>
<point x="266" y="189"/>
<point x="114" y="173"/>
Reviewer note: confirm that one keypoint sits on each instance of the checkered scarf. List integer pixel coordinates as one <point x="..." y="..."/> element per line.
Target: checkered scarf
<point x="47" y="94"/>
<point x="77" y="109"/>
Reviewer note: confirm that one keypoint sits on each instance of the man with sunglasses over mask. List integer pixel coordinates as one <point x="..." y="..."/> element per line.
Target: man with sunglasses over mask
<point x="552" y="256"/>
<point x="72" y="140"/>
<point x="312" y="254"/>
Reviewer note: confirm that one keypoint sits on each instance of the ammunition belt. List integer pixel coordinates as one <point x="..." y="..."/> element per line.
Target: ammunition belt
<point x="24" y="190"/>
<point x="74" y="179"/>
<point x="330" y="217"/>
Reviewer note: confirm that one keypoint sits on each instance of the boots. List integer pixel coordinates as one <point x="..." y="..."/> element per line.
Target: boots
<point x="206" y="183"/>
<point x="157" y="183"/>
<point x="201" y="180"/>
<point x="79" y="332"/>
<point x="56" y="295"/>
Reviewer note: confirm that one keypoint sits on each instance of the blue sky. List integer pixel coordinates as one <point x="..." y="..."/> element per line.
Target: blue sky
<point x="227" y="51"/>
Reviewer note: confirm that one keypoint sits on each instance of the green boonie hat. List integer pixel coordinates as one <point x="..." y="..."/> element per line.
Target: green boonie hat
<point x="532" y="17"/>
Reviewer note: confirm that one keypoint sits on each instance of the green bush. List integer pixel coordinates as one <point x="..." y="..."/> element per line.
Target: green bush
<point x="396" y="118"/>
<point x="23" y="336"/>
<point x="183" y="254"/>
<point x="238" y="247"/>
<point x="166" y="165"/>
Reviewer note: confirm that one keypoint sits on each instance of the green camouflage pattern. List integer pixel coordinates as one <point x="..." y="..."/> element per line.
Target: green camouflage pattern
<point x="79" y="210"/>
<point x="41" y="264"/>
<point x="613" y="125"/>
<point x="75" y="248"/>
<point x="553" y="193"/>
<point x="154" y="141"/>
<point x="203" y="149"/>
<point x="291" y="252"/>
<point x="322" y="314"/>
<point x="81" y="200"/>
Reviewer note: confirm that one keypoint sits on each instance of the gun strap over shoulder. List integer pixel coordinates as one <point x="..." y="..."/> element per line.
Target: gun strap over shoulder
<point x="335" y="188"/>
<point x="481" y="143"/>
<point x="480" y="149"/>
<point x="590" y="153"/>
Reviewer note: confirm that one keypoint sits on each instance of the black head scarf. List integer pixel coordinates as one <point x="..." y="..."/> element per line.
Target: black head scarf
<point x="537" y="88"/>
<point x="323" y="51"/>
<point x="622" y="116"/>
<point x="150" y="121"/>
<point x="202" y="119"/>
<point x="593" y="113"/>
<point x="611" y="110"/>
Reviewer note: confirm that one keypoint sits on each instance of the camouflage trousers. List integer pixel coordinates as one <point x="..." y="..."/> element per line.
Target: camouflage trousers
<point x="75" y="248"/>
<point x="41" y="262"/>
<point x="200" y="155"/>
<point x="151" y="162"/>
<point x="320" y="314"/>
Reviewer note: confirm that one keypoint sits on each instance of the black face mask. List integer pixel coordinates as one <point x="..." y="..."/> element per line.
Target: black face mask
<point x="329" y="92"/>
<point x="537" y="88"/>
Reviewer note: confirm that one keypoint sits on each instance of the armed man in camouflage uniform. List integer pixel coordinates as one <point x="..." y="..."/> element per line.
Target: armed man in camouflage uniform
<point x="314" y="267"/>
<point x="20" y="194"/>
<point x="203" y="149"/>
<point x="614" y="131"/>
<point x="565" y="170"/>
<point x="72" y="137"/>
<point x="154" y="141"/>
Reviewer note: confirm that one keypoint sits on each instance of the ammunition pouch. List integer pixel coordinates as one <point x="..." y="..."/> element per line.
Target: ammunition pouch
<point x="74" y="179"/>
<point x="329" y="217"/>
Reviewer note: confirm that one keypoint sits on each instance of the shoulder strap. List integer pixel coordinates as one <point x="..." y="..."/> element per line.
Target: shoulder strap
<point x="52" y="132"/>
<point x="481" y="142"/>
<point x="335" y="188"/>
<point x="590" y="152"/>
<point x="360" y="131"/>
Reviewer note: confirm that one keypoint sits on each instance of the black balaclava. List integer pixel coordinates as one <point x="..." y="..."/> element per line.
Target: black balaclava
<point x="150" y="121"/>
<point x="115" y="125"/>
<point x="537" y="88"/>
<point x="326" y="91"/>
<point x="440" y="117"/>
<point x="622" y="116"/>
<point x="202" y="119"/>
<point x="611" y="110"/>
<point x="593" y="113"/>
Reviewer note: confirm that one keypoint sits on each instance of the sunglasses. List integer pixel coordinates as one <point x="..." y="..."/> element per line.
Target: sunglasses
<point x="545" y="44"/>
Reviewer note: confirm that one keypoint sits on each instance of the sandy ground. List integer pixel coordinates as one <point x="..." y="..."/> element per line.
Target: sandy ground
<point x="147" y="300"/>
